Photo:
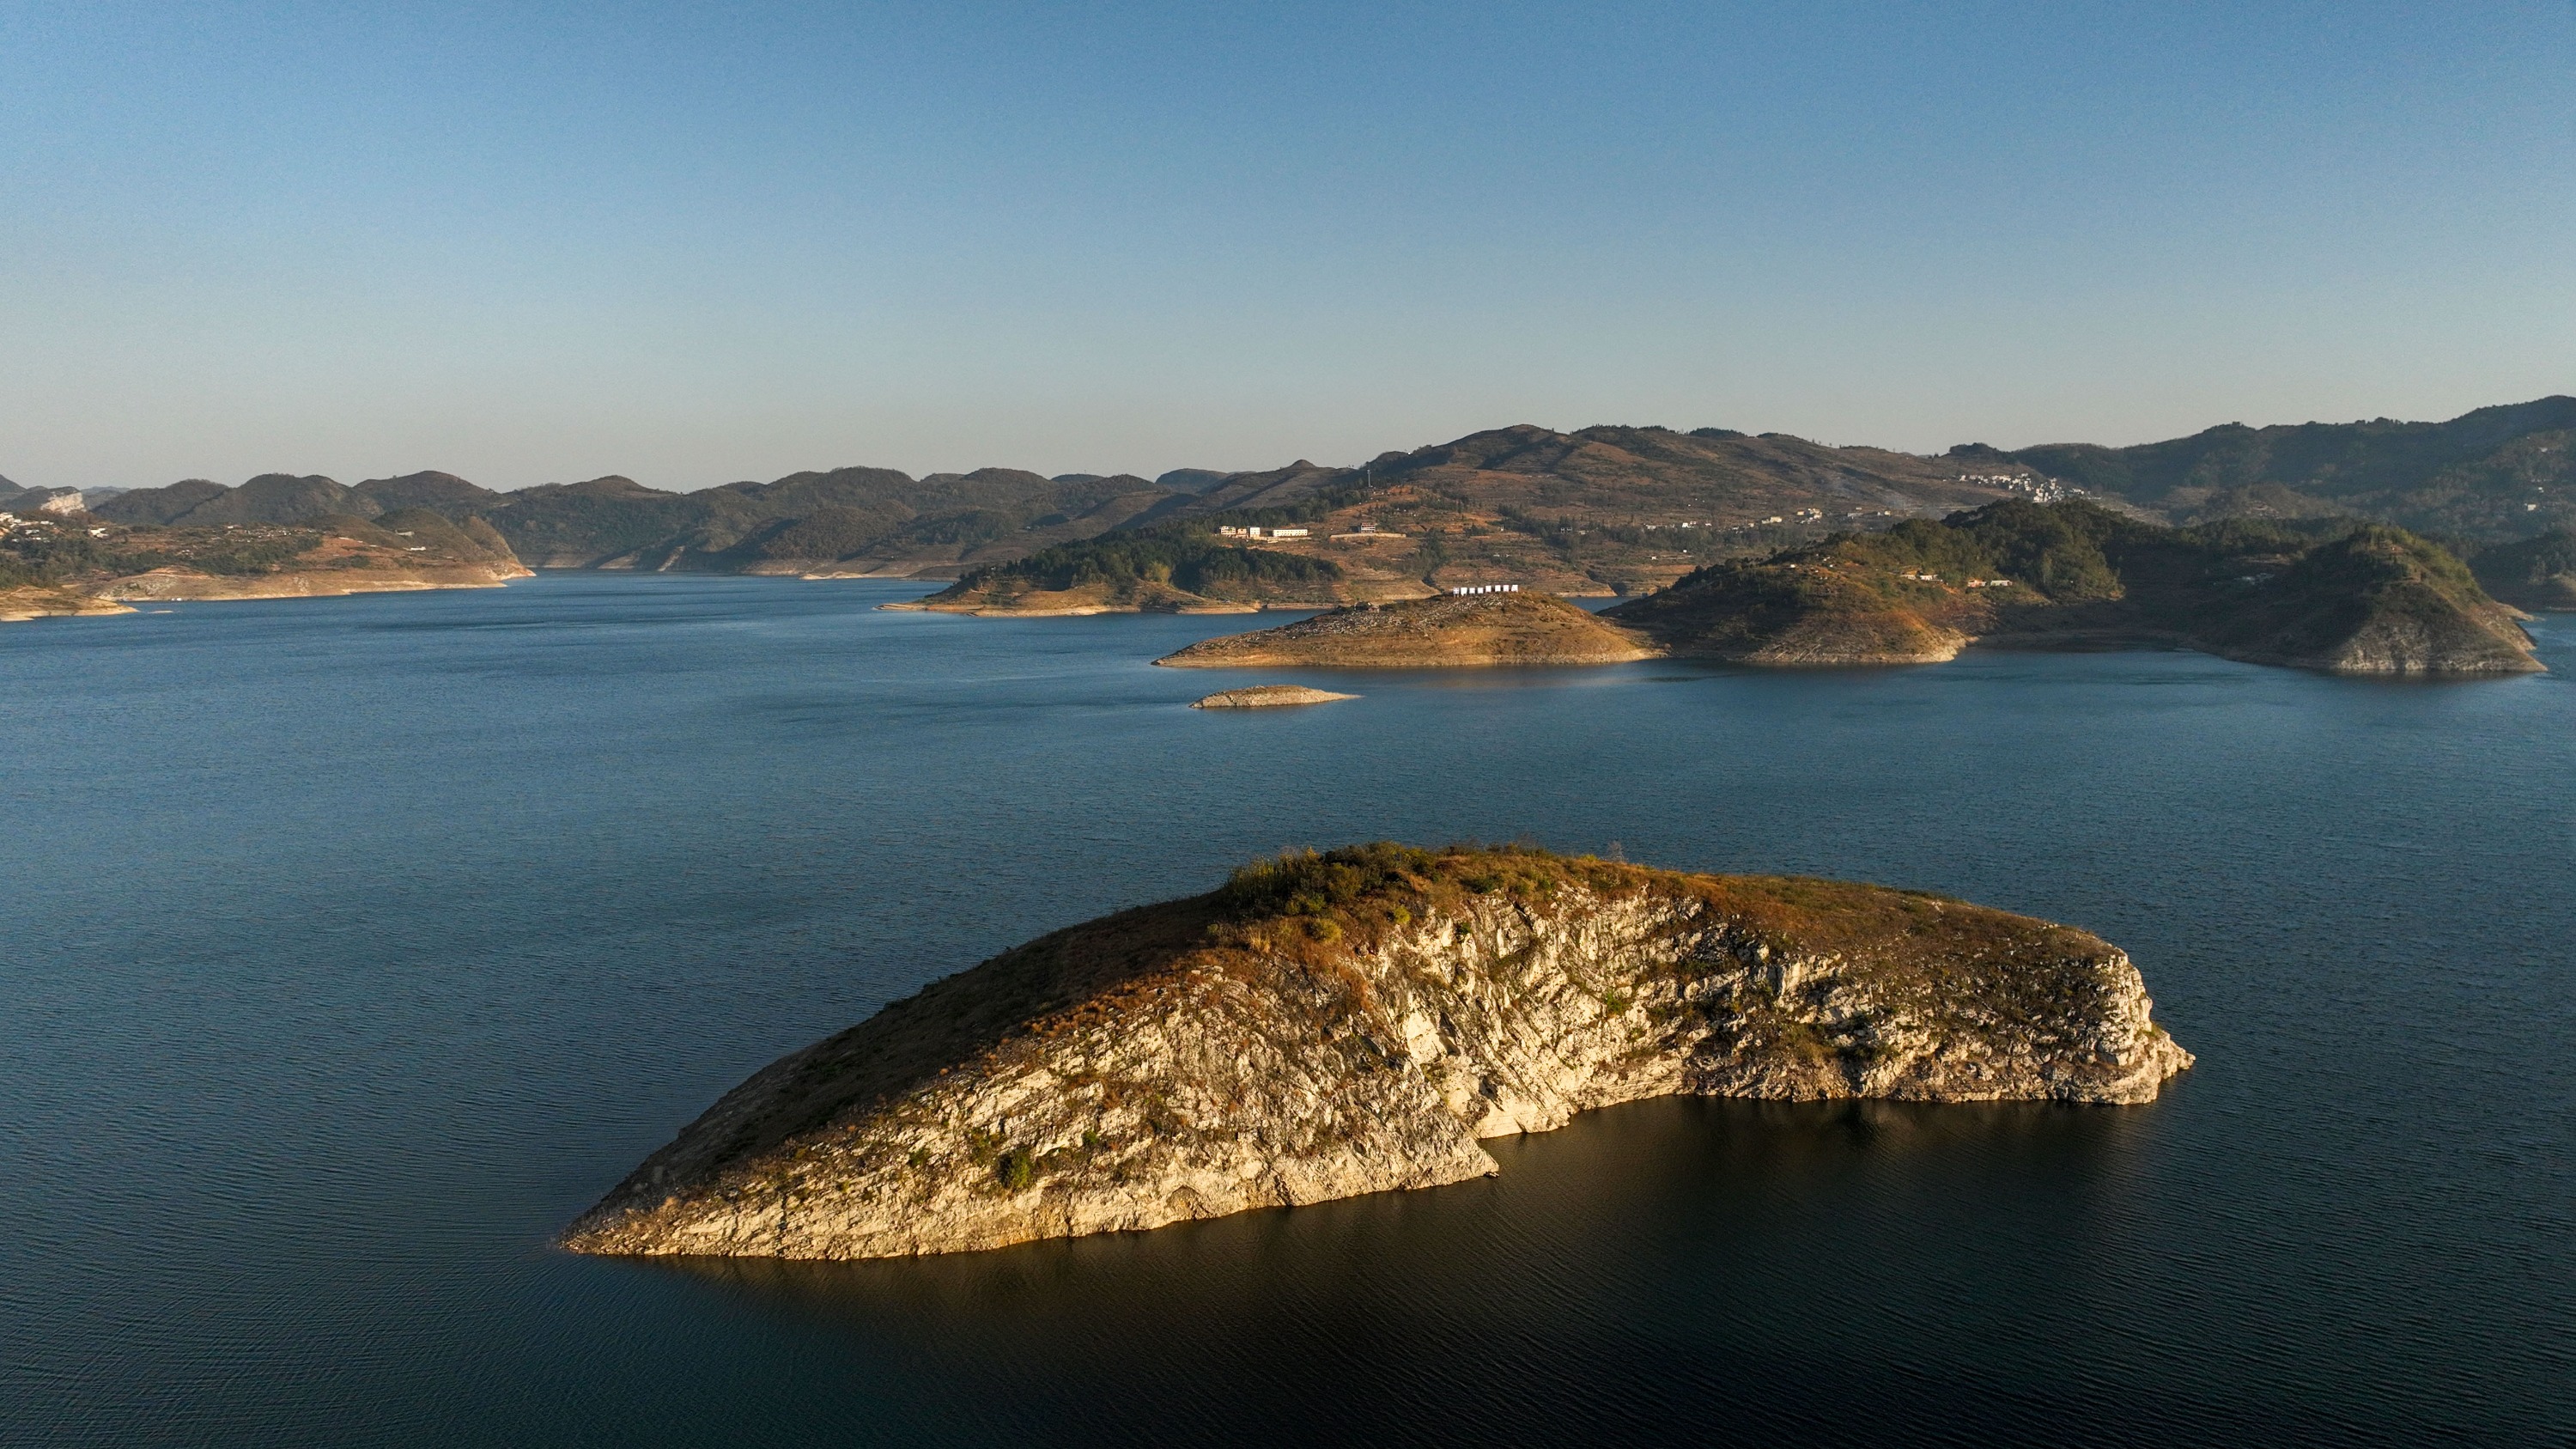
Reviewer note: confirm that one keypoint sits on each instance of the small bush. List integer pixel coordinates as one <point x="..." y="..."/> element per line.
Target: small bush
<point x="1301" y="882"/>
<point x="1017" y="1168"/>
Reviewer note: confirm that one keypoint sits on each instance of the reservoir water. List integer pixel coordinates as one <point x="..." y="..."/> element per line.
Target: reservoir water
<point x="348" y="948"/>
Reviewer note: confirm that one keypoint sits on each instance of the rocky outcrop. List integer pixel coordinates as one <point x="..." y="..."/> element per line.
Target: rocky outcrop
<point x="1332" y="1025"/>
<point x="1447" y="631"/>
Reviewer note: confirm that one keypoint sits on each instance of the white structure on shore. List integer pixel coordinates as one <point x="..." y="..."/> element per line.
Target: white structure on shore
<point x="1486" y="589"/>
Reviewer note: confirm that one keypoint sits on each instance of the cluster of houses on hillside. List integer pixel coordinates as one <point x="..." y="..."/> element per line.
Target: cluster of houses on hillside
<point x="1364" y="531"/>
<point x="11" y="523"/>
<point x="2037" y="487"/>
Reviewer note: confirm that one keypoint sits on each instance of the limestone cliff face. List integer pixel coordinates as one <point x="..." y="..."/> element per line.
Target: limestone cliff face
<point x="1356" y="1029"/>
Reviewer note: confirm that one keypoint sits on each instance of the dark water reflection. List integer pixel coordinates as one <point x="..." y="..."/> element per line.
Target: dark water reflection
<point x="1744" y="1260"/>
<point x="348" y="948"/>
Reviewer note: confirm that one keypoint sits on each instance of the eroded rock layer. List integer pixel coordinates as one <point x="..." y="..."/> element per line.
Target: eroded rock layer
<point x="1325" y="1026"/>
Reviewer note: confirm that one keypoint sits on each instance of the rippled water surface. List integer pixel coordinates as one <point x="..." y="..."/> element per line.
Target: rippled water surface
<point x="349" y="947"/>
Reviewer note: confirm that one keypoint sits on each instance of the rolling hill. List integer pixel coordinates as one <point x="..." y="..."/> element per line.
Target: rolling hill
<point x="2496" y="473"/>
<point x="2370" y="599"/>
<point x="1607" y="509"/>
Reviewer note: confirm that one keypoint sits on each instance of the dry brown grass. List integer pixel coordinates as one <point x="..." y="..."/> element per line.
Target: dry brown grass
<point x="1446" y="631"/>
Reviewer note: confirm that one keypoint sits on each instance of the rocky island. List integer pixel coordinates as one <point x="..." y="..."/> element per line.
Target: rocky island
<point x="1451" y="630"/>
<point x="2326" y="595"/>
<point x="1329" y="1025"/>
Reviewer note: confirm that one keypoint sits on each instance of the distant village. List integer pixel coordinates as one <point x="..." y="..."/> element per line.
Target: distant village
<point x="2033" y="486"/>
<point x="11" y="524"/>
<point x="1366" y="531"/>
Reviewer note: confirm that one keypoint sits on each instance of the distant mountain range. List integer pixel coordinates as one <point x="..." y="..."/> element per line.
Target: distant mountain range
<point x="789" y="526"/>
<point x="2499" y="472"/>
<point x="1621" y="505"/>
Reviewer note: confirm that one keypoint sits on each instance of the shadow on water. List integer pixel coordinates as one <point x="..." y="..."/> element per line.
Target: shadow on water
<point x="1625" y="1273"/>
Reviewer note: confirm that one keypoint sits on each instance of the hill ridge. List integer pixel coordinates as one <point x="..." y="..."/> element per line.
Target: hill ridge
<point x="1602" y="508"/>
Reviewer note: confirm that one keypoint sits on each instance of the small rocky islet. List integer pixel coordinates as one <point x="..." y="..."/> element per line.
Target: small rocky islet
<point x="1324" y="1026"/>
<point x="1269" y="696"/>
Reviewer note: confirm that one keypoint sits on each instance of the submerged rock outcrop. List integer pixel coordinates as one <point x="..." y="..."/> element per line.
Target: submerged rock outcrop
<point x="1325" y="1026"/>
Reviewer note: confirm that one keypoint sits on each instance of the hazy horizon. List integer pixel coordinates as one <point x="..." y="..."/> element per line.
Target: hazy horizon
<point x="547" y="243"/>
<point x="1112" y="472"/>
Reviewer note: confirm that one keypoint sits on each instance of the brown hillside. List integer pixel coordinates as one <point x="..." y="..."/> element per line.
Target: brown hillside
<point x="1449" y="631"/>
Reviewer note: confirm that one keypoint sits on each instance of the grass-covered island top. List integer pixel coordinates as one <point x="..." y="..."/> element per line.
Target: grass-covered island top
<point x="1322" y="1026"/>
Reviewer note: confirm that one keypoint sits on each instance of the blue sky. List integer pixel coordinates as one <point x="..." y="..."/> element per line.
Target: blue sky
<point x="531" y="242"/>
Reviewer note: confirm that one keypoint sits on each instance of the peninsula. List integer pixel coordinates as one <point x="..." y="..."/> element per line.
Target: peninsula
<point x="72" y="562"/>
<point x="1447" y="631"/>
<point x="2326" y="595"/>
<point x="1329" y="1025"/>
<point x="2532" y="573"/>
